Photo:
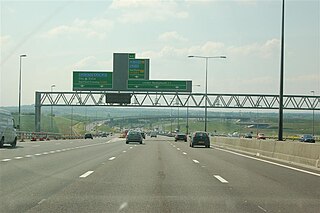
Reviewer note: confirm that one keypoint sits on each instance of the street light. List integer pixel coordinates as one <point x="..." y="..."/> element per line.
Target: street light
<point x="197" y="85"/>
<point x="206" y="86"/>
<point x="312" y="91"/>
<point x="52" y="86"/>
<point x="21" y="56"/>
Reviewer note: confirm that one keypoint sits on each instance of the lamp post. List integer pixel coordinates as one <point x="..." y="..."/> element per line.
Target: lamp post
<point x="52" y="86"/>
<point x="187" y="127"/>
<point x="312" y="91"/>
<point x="206" y="85"/>
<point x="280" y="122"/>
<point x="21" y="56"/>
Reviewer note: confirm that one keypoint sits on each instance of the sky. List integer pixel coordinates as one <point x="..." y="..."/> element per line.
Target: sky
<point x="59" y="37"/>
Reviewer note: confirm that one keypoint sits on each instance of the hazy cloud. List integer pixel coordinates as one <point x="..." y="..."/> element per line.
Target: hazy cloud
<point x="135" y="11"/>
<point x="172" y="36"/>
<point x="264" y="50"/>
<point x="94" y="28"/>
<point x="91" y="63"/>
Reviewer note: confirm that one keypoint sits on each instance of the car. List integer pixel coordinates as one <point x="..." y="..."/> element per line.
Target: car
<point x="8" y="134"/>
<point x="88" y="135"/>
<point x="200" y="138"/>
<point x="261" y="136"/>
<point x="134" y="136"/>
<point x="307" y="138"/>
<point x="104" y="134"/>
<point x="153" y="134"/>
<point x="248" y="135"/>
<point x="180" y="136"/>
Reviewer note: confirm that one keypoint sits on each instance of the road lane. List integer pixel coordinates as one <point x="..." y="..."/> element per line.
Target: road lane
<point x="262" y="184"/>
<point x="147" y="178"/>
<point x="25" y="182"/>
<point x="158" y="176"/>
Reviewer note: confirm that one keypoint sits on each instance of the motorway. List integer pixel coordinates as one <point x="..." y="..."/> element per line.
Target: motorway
<point x="107" y="175"/>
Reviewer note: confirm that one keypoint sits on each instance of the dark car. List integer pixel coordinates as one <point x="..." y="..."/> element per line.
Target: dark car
<point x="180" y="137"/>
<point x="307" y="139"/>
<point x="200" y="138"/>
<point x="134" y="136"/>
<point x="153" y="134"/>
<point x="88" y="135"/>
<point x="248" y="135"/>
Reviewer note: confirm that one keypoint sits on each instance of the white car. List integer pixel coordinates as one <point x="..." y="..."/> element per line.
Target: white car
<point x="8" y="134"/>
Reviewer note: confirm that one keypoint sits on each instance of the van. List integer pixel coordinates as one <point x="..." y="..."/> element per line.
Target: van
<point x="8" y="134"/>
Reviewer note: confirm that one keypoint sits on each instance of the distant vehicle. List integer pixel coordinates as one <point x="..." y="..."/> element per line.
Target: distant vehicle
<point x="200" y="138"/>
<point x="180" y="136"/>
<point x="153" y="134"/>
<point x="248" y="135"/>
<point x="261" y="136"/>
<point x="307" y="138"/>
<point x="104" y="134"/>
<point x="134" y="136"/>
<point x="8" y="134"/>
<point x="88" y="135"/>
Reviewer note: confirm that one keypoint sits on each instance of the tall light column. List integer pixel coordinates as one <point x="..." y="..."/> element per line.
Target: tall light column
<point x="21" y="56"/>
<point x="206" y="87"/>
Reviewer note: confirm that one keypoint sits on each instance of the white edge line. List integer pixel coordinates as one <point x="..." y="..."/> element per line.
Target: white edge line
<point x="222" y="180"/>
<point x="270" y="162"/>
<point x="86" y="174"/>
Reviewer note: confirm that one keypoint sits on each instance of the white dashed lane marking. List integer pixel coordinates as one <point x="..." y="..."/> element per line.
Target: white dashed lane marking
<point x="86" y="174"/>
<point x="112" y="158"/>
<point x="18" y="158"/>
<point x="222" y="180"/>
<point x="184" y="153"/>
<point x="195" y="161"/>
<point x="6" y="160"/>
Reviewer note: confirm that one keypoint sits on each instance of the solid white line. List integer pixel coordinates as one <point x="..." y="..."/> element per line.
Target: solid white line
<point x="273" y="163"/>
<point x="220" y="179"/>
<point x="6" y="160"/>
<point x="112" y="158"/>
<point x="18" y="158"/>
<point x="86" y="174"/>
<point x="195" y="161"/>
<point x="184" y="153"/>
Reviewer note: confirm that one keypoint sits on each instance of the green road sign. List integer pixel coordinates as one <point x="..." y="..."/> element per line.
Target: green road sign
<point x="132" y="55"/>
<point x="136" y="68"/>
<point x="158" y="85"/>
<point x="92" y="80"/>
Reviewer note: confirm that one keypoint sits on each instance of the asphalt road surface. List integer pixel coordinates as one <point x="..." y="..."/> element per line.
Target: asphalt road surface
<point x="107" y="175"/>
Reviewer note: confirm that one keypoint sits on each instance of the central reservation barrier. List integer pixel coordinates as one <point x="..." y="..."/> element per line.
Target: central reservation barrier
<point x="307" y="154"/>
